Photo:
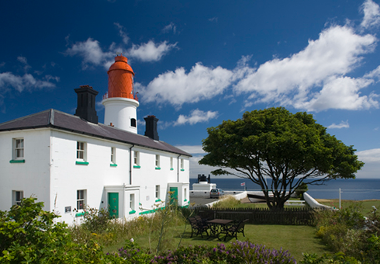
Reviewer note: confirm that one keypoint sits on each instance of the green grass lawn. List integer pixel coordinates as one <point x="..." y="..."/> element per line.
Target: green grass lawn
<point x="366" y="204"/>
<point x="295" y="239"/>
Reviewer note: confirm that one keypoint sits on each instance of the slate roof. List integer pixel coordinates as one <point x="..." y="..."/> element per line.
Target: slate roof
<point x="62" y="121"/>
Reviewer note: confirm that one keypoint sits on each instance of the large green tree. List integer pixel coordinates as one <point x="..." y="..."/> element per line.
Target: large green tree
<point x="287" y="148"/>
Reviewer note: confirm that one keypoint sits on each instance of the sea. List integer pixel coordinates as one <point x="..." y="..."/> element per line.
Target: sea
<point x="351" y="189"/>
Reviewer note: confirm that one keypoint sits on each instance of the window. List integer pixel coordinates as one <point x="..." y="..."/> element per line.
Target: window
<point x="81" y="150"/>
<point x="157" y="161"/>
<point x="182" y="165"/>
<point x="171" y="163"/>
<point x="113" y="155"/>
<point x="16" y="197"/>
<point x="81" y="199"/>
<point x="157" y="192"/>
<point x="132" y="201"/>
<point x="133" y="122"/>
<point x="136" y="159"/>
<point x="185" y="194"/>
<point x="18" y="147"/>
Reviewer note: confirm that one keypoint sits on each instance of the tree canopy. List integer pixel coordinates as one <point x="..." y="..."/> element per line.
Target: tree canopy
<point x="288" y="148"/>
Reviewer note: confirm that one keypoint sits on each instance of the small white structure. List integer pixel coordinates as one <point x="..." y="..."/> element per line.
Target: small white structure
<point x="71" y="161"/>
<point x="203" y="187"/>
<point x="203" y="184"/>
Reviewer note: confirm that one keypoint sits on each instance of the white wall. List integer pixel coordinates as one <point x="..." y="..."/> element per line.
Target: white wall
<point x="68" y="177"/>
<point x="31" y="177"/>
<point x="50" y="156"/>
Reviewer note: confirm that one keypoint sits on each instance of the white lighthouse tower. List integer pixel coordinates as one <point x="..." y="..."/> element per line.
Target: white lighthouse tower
<point x="120" y="102"/>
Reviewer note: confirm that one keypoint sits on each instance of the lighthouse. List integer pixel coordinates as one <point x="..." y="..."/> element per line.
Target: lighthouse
<point x="120" y="102"/>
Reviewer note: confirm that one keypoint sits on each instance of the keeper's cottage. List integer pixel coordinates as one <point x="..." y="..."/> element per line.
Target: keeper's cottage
<point x="71" y="161"/>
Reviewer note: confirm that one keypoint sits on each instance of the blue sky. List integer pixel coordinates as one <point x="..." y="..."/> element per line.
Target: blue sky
<point x="198" y="63"/>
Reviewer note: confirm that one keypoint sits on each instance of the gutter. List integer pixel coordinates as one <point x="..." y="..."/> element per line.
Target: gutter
<point x="178" y="167"/>
<point x="130" y="164"/>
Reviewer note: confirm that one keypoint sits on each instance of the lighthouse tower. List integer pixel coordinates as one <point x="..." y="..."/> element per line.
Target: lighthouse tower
<point x="120" y="102"/>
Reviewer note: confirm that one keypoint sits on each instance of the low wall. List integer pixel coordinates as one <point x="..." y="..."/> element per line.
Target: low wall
<point x="313" y="203"/>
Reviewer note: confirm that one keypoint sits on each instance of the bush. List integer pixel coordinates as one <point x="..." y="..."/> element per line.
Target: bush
<point x="27" y="233"/>
<point x="350" y="234"/>
<point x="238" y="252"/>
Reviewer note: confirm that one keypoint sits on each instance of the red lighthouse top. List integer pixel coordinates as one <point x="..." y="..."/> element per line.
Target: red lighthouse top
<point x="120" y="79"/>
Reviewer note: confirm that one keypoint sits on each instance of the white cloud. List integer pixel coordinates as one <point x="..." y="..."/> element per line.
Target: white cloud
<point x="341" y="93"/>
<point x="150" y="51"/>
<point x="22" y="60"/>
<point x="122" y="34"/>
<point x="322" y="63"/>
<point x="170" y="27"/>
<point x="213" y="19"/>
<point x="341" y="125"/>
<point x="91" y="52"/>
<point x="196" y="149"/>
<point x="370" y="155"/>
<point x="27" y="81"/>
<point x="179" y="87"/>
<point x="373" y="74"/>
<point x="196" y="116"/>
<point x="371" y="14"/>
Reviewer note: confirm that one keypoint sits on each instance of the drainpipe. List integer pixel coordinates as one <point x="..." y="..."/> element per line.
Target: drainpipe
<point x="130" y="164"/>
<point x="178" y="168"/>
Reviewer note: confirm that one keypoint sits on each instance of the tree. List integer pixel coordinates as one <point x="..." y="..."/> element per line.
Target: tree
<point x="288" y="148"/>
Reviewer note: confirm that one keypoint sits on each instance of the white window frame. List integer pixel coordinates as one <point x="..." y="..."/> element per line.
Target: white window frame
<point x="182" y="164"/>
<point x="81" y="149"/>
<point x="157" y="192"/>
<point x="113" y="155"/>
<point x="18" y="149"/>
<point x="132" y="201"/>
<point x="17" y="196"/>
<point x="171" y="162"/>
<point x="81" y="199"/>
<point x="157" y="161"/>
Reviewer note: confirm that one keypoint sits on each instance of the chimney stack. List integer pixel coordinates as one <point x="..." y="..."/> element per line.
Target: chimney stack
<point x="86" y="103"/>
<point x="151" y="127"/>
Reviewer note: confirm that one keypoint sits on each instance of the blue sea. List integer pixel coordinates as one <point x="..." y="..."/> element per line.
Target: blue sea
<point x="352" y="189"/>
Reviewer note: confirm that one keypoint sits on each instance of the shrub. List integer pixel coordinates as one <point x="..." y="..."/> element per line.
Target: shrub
<point x="238" y="252"/>
<point x="347" y="232"/>
<point x="96" y="221"/>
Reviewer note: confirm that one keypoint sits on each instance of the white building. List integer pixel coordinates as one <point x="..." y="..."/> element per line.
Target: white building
<point x="71" y="161"/>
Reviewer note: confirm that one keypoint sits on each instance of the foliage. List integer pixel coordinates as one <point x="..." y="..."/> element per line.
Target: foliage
<point x="288" y="148"/>
<point x="238" y="252"/>
<point x="29" y="235"/>
<point x="96" y="221"/>
<point x="301" y="189"/>
<point x="350" y="234"/>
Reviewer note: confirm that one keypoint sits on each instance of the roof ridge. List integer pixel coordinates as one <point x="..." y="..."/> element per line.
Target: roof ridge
<point x="24" y="117"/>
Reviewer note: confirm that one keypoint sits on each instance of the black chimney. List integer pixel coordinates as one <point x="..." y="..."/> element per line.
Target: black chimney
<point x="86" y="103"/>
<point x="151" y="127"/>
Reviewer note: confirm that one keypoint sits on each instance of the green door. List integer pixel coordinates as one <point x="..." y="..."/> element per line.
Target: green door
<point x="113" y="204"/>
<point x="173" y="195"/>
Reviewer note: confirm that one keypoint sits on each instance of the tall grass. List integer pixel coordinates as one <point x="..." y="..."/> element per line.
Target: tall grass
<point x="227" y="202"/>
<point x="116" y="231"/>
